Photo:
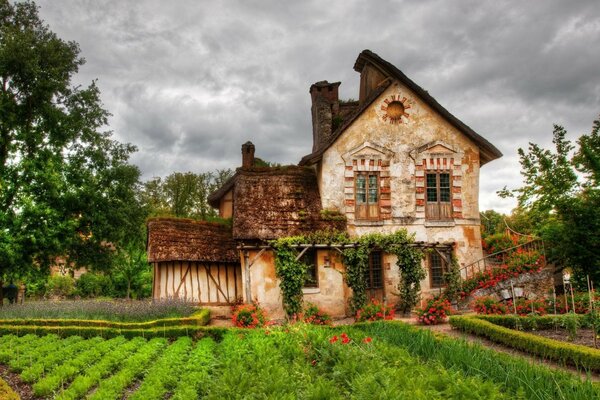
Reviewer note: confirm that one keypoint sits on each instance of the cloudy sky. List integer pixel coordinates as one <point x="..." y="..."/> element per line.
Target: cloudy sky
<point x="189" y="81"/>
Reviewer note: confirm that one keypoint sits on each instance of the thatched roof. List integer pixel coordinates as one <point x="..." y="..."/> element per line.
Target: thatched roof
<point x="488" y="151"/>
<point x="178" y="239"/>
<point x="275" y="202"/>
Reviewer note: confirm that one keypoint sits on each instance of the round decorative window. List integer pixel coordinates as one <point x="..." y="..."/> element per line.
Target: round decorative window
<point x="394" y="110"/>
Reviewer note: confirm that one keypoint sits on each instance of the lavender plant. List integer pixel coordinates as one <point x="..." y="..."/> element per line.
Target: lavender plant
<point x="111" y="310"/>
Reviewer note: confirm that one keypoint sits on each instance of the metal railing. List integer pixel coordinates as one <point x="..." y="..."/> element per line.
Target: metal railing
<point x="500" y="257"/>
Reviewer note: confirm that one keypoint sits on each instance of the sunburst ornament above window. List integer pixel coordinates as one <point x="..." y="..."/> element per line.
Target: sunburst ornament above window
<point x="394" y="109"/>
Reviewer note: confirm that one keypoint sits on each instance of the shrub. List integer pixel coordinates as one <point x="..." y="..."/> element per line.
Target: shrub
<point x="374" y="311"/>
<point x="312" y="315"/>
<point x="93" y="285"/>
<point x="497" y="242"/>
<point x="435" y="311"/>
<point x="488" y="305"/>
<point x="569" y="353"/>
<point x="60" y="286"/>
<point x="248" y="316"/>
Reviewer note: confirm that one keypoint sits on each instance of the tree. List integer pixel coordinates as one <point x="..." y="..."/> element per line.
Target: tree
<point x="66" y="187"/>
<point x="130" y="267"/>
<point x="561" y="198"/>
<point x="183" y="195"/>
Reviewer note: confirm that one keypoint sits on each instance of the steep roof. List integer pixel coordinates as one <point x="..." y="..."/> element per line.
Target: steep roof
<point x="488" y="151"/>
<point x="178" y="239"/>
<point x="273" y="202"/>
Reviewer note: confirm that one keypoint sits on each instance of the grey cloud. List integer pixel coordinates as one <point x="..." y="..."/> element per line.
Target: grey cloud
<point x="189" y="81"/>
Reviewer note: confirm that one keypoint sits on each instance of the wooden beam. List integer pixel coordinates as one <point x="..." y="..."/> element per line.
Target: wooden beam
<point x="302" y="253"/>
<point x="182" y="280"/>
<point x="442" y="255"/>
<point x="209" y="273"/>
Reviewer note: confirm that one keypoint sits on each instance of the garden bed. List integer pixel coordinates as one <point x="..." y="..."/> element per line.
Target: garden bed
<point x="584" y="337"/>
<point x="371" y="360"/>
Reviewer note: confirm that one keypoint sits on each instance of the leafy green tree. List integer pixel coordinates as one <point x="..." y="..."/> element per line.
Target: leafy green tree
<point x="183" y="194"/>
<point x="561" y="199"/>
<point x="66" y="187"/>
<point x="131" y="268"/>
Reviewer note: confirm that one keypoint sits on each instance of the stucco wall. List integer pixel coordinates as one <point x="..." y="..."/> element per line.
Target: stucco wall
<point x="332" y="294"/>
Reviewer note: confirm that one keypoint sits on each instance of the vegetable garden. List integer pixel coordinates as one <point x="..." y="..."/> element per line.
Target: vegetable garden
<point x="365" y="361"/>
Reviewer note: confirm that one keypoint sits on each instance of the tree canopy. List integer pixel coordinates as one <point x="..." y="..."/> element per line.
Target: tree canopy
<point x="561" y="198"/>
<point x="183" y="194"/>
<point x="66" y="187"/>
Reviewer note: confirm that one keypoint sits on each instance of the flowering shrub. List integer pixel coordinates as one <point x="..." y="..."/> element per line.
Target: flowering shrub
<point x="435" y="311"/>
<point x="489" y="305"/>
<point x="374" y="311"/>
<point x="520" y="262"/>
<point x="312" y="315"/>
<point x="248" y="316"/>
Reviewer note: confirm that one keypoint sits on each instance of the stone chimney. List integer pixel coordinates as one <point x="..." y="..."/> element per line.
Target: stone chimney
<point x="325" y="107"/>
<point x="247" y="155"/>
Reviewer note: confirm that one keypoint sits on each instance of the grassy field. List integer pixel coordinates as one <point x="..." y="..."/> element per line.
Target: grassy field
<point x="370" y="361"/>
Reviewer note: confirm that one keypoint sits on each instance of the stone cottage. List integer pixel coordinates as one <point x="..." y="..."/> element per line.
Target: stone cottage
<point x="394" y="159"/>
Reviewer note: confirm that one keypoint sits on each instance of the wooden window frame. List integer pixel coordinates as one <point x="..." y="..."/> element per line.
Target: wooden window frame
<point x="443" y="268"/>
<point x="367" y="204"/>
<point x="438" y="203"/>
<point x="314" y="265"/>
<point x="370" y="277"/>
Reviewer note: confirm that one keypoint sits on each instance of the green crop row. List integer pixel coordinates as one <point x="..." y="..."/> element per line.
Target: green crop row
<point x="567" y="353"/>
<point x="132" y="369"/>
<point x="163" y="375"/>
<point x="197" y="370"/>
<point x="68" y="370"/>
<point x="105" y="366"/>
<point x="199" y="318"/>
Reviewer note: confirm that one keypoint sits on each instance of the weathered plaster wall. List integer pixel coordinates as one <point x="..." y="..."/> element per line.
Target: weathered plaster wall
<point x="332" y="295"/>
<point x="422" y="126"/>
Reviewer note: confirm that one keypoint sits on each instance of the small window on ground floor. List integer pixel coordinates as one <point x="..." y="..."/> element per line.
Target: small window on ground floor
<point x="309" y="259"/>
<point x="437" y="269"/>
<point x="374" y="274"/>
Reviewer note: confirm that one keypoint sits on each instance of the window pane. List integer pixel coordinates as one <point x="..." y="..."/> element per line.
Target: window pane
<point x="309" y="259"/>
<point x="372" y="189"/>
<point x="444" y="180"/>
<point x="431" y="181"/>
<point x="431" y="194"/>
<point x="361" y="189"/>
<point x="436" y="269"/>
<point x="373" y="275"/>
<point x="445" y="194"/>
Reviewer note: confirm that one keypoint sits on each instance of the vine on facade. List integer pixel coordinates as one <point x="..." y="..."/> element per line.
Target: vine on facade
<point x="292" y="272"/>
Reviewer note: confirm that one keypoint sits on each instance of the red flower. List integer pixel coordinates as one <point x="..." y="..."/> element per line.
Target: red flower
<point x="367" y="340"/>
<point x="333" y="339"/>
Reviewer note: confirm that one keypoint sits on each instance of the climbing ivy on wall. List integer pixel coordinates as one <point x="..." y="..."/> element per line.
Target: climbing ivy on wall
<point x="291" y="272"/>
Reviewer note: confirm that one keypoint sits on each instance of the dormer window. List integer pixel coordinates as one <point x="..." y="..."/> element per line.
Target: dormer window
<point x="367" y="195"/>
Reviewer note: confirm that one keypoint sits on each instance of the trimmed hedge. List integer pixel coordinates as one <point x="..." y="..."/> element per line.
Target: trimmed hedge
<point x="534" y="322"/>
<point x="106" y="332"/>
<point x="6" y="392"/>
<point x="567" y="353"/>
<point x="199" y="318"/>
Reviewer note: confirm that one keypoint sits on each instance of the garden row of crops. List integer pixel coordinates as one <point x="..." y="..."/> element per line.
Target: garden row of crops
<point x="372" y="361"/>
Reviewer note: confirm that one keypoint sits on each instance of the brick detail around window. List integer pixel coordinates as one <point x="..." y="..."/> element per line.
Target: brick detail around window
<point x="375" y="164"/>
<point x="443" y="162"/>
